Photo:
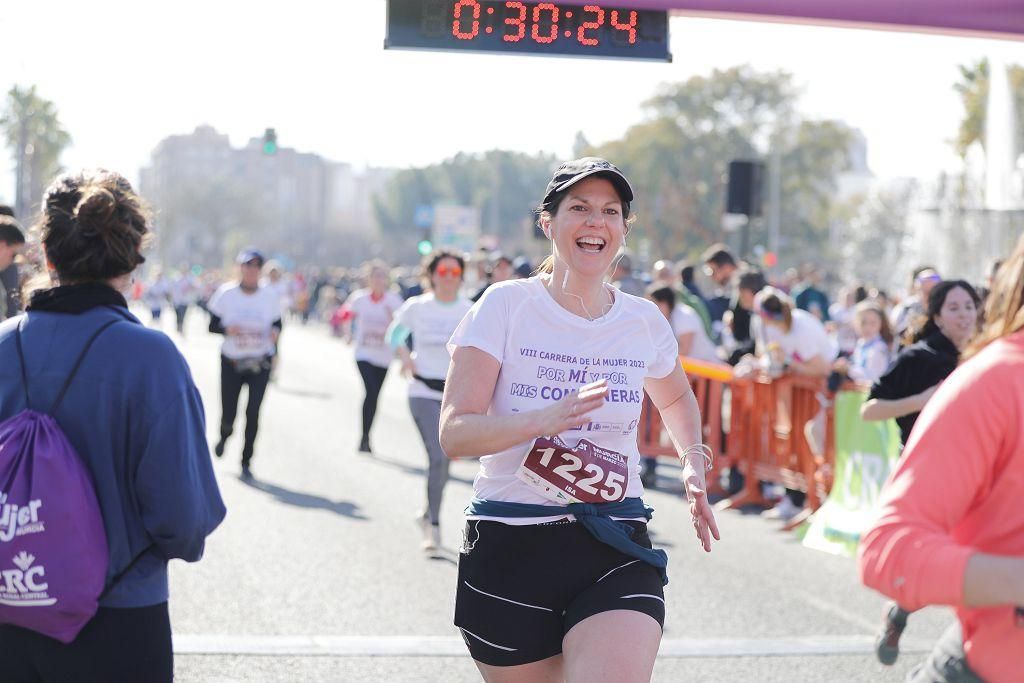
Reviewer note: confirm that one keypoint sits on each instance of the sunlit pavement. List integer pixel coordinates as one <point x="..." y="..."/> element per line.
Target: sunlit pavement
<point x="317" y="575"/>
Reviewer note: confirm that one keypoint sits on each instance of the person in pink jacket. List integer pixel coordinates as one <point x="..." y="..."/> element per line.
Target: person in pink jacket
<point x="950" y="529"/>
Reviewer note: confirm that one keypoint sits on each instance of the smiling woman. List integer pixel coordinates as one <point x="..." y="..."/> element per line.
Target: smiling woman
<point x="561" y="514"/>
<point x="933" y="353"/>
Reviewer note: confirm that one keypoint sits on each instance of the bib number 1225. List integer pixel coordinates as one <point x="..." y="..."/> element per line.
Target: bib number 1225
<point x="584" y="474"/>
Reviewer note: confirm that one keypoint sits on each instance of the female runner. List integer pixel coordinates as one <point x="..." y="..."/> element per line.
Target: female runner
<point x="557" y="577"/>
<point x="369" y="311"/>
<point x="430" y="319"/>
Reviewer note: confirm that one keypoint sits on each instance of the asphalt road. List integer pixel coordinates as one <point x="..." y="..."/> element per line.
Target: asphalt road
<point x="317" y="575"/>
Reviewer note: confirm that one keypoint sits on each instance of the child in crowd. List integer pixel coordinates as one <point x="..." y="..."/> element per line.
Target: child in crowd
<point x="873" y="351"/>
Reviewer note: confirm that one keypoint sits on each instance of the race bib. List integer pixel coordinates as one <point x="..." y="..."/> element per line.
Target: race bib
<point x="374" y="339"/>
<point x="584" y="474"/>
<point x="247" y="340"/>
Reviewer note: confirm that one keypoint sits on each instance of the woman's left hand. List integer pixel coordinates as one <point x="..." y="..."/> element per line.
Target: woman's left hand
<point x="702" y="515"/>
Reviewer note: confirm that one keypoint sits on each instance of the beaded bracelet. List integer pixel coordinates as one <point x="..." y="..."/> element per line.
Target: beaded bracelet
<point x="703" y="449"/>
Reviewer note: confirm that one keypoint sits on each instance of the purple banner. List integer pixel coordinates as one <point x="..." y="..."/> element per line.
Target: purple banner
<point x="993" y="17"/>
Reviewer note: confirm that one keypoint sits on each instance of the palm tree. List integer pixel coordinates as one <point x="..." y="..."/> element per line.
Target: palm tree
<point x="35" y="136"/>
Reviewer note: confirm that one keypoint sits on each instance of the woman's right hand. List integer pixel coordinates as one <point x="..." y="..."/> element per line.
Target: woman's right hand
<point x="573" y="410"/>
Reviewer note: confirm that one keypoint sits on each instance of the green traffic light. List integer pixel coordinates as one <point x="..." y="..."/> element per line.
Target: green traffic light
<point x="424" y="247"/>
<point x="270" y="141"/>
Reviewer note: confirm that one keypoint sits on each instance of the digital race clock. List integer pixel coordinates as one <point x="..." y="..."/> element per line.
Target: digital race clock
<point x="550" y="28"/>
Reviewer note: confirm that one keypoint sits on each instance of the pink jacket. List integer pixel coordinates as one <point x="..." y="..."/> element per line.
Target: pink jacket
<point x="959" y="489"/>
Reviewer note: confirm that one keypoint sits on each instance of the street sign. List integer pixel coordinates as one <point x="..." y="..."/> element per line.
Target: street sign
<point x="424" y="216"/>
<point x="456" y="227"/>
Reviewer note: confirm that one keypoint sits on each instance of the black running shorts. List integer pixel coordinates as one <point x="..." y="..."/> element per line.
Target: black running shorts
<point x="522" y="588"/>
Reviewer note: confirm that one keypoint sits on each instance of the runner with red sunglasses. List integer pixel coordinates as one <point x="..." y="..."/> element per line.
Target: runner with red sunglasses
<point x="430" y="319"/>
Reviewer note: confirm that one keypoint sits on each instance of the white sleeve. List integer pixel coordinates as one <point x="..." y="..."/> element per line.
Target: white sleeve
<point x="876" y="362"/>
<point x="215" y="304"/>
<point x="826" y="346"/>
<point x="485" y="326"/>
<point x="666" y="348"/>
<point x="352" y="302"/>
<point x="405" y="316"/>
<point x="812" y="340"/>
<point x="275" y="303"/>
<point x="685" y="320"/>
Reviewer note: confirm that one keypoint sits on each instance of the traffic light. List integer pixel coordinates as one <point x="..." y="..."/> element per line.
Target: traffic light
<point x="270" y="141"/>
<point x="425" y="245"/>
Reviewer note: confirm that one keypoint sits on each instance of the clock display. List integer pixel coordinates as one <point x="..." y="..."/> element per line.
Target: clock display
<point x="549" y="28"/>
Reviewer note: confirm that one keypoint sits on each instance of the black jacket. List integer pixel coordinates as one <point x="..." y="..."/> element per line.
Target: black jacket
<point x="916" y="368"/>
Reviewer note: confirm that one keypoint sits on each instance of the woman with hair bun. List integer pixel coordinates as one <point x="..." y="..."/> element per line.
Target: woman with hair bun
<point x="133" y="415"/>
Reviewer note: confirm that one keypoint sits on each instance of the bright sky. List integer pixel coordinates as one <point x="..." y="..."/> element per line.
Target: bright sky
<point x="126" y="74"/>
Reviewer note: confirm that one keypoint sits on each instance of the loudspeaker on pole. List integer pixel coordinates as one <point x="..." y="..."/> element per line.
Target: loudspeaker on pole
<point x="743" y="192"/>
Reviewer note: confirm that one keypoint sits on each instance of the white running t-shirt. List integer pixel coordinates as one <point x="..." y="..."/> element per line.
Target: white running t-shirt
<point x="370" y="325"/>
<point x="546" y="353"/>
<point x="431" y="324"/>
<point x="805" y="340"/>
<point x="253" y="313"/>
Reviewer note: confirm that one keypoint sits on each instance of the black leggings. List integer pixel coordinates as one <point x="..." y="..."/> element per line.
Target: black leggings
<point x="116" y="645"/>
<point x="231" y="382"/>
<point x="373" y="379"/>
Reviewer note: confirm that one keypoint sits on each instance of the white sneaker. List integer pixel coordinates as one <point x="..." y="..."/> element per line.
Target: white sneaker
<point x="431" y="538"/>
<point x="784" y="510"/>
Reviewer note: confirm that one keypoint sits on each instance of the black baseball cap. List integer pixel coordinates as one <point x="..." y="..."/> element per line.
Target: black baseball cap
<point x="571" y="172"/>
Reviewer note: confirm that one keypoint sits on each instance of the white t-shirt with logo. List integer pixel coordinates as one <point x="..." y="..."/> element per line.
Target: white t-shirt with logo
<point x="432" y="324"/>
<point x="253" y="313"/>
<point x="371" y="324"/>
<point x="546" y="353"/>
<point x="685" y="320"/>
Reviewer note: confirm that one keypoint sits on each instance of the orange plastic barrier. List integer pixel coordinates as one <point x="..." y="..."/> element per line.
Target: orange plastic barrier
<point x="760" y="424"/>
<point x="709" y="382"/>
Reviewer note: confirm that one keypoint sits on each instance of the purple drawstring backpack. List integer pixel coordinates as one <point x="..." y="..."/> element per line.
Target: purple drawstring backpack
<point x="53" y="548"/>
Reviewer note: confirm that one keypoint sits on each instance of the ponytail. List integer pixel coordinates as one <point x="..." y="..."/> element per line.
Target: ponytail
<point x="547" y="267"/>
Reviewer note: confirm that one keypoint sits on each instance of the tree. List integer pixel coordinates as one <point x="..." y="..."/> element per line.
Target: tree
<point x="504" y="186"/>
<point x="973" y="90"/>
<point x="877" y="239"/>
<point x="678" y="158"/>
<point x="208" y="219"/>
<point x="36" y="139"/>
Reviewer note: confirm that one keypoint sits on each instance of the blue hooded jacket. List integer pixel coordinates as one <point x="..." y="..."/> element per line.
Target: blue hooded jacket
<point x="134" y="415"/>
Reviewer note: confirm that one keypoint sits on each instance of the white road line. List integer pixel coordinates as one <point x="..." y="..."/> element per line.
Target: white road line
<point x="453" y="646"/>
